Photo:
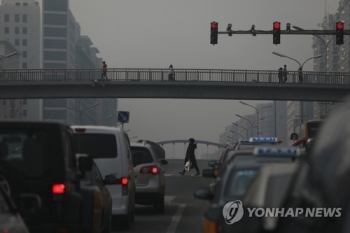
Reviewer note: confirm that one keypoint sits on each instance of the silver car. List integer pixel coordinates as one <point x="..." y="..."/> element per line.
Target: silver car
<point x="149" y="175"/>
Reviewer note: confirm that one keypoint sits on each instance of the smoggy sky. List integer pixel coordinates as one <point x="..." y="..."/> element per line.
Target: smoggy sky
<point x="156" y="33"/>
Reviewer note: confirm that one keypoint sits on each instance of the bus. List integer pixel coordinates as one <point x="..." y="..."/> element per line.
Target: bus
<point x="305" y="131"/>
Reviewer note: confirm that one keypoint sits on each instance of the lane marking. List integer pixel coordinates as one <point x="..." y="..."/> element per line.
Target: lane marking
<point x="176" y="219"/>
<point x="168" y="199"/>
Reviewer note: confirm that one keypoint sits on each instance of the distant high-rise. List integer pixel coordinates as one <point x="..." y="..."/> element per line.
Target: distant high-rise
<point x="47" y="36"/>
<point x="20" y="25"/>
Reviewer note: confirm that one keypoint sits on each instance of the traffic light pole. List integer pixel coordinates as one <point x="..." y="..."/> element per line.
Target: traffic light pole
<point x="285" y="32"/>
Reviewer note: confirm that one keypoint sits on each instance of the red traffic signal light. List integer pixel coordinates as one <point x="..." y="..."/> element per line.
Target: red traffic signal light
<point x="339" y="33"/>
<point x="214" y="27"/>
<point x="276" y="33"/>
<point x="276" y="26"/>
<point x="340" y="26"/>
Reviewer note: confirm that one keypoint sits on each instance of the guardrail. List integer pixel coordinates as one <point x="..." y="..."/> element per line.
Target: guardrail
<point x="184" y="75"/>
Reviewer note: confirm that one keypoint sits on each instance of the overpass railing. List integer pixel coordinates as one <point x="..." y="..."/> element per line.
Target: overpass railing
<point x="185" y="75"/>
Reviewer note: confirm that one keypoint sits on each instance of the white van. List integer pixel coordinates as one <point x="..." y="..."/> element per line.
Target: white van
<point x="110" y="149"/>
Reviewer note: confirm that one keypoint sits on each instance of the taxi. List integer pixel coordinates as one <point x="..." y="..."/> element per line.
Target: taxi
<point x="236" y="177"/>
<point x="268" y="190"/>
<point x="241" y="145"/>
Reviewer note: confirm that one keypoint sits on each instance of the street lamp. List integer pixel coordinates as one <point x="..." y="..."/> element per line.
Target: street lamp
<point x="8" y="55"/>
<point x="324" y="42"/>
<point x="251" y="123"/>
<point x="96" y="121"/>
<point x="326" y="57"/>
<point x="300" y="65"/>
<point x="257" y="113"/>
<point x="81" y="110"/>
<point x="301" y="70"/>
<point x="241" y="127"/>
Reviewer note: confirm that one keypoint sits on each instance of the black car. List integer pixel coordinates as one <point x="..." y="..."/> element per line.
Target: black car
<point x="322" y="181"/>
<point x="37" y="158"/>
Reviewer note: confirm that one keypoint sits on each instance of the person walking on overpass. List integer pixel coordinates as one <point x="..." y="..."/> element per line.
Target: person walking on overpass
<point x="300" y="75"/>
<point x="280" y="74"/>
<point x="171" y="75"/>
<point x="285" y="74"/>
<point x="104" y="70"/>
<point x="190" y="156"/>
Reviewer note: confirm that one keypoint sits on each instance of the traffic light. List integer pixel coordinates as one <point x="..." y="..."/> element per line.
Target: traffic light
<point x="214" y="32"/>
<point x="276" y="33"/>
<point x="339" y="33"/>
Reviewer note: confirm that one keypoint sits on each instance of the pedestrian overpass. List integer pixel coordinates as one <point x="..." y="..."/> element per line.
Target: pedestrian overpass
<point x="188" y="84"/>
<point x="184" y="141"/>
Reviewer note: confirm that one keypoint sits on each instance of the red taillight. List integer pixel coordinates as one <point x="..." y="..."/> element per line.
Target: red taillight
<point x="149" y="170"/>
<point x="124" y="181"/>
<point x="58" y="188"/>
<point x="154" y="170"/>
<point x="80" y="130"/>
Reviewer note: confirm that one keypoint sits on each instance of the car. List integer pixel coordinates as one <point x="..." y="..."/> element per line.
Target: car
<point x="256" y="141"/>
<point x="322" y="181"/>
<point x="232" y="186"/>
<point x="110" y="149"/>
<point x="242" y="145"/>
<point x="98" y="212"/>
<point x="156" y="147"/>
<point x="236" y="176"/>
<point x="150" y="180"/>
<point x="37" y="158"/>
<point x="267" y="190"/>
<point x="253" y="154"/>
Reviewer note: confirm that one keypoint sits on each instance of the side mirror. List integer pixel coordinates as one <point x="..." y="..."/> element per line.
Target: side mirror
<point x="29" y="203"/>
<point x="208" y="173"/>
<point x="211" y="163"/>
<point x="294" y="136"/>
<point x="85" y="164"/>
<point x="163" y="162"/>
<point x="110" y="179"/>
<point x="204" y="194"/>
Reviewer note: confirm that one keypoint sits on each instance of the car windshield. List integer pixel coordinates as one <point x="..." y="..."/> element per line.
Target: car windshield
<point x="26" y="151"/>
<point x="239" y="182"/>
<point x="96" y="145"/>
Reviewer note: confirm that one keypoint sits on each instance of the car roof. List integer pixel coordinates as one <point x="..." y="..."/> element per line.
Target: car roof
<point x="94" y="127"/>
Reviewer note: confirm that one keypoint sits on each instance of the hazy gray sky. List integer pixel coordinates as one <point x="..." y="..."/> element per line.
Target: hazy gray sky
<point x="156" y="33"/>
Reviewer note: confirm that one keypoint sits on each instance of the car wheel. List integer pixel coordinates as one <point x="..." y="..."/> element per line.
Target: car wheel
<point x="158" y="205"/>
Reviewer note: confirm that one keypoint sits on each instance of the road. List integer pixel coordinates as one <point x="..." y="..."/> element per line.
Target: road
<point x="183" y="212"/>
